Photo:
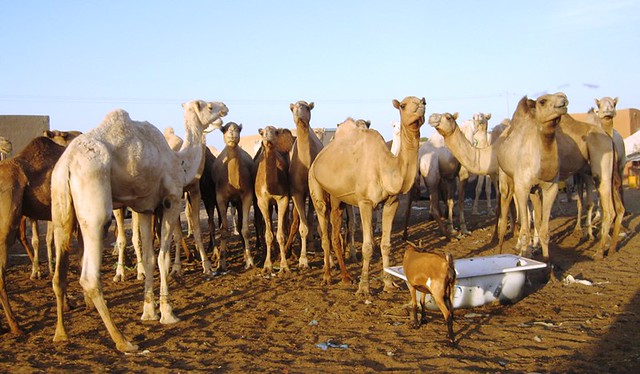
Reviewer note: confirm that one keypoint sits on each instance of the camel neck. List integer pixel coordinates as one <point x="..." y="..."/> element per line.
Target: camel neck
<point x="408" y="154"/>
<point x="191" y="153"/>
<point x="607" y="125"/>
<point x="303" y="142"/>
<point x="550" y="164"/>
<point x="480" y="161"/>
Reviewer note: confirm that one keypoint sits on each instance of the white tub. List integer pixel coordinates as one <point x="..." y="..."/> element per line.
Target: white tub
<point x="483" y="280"/>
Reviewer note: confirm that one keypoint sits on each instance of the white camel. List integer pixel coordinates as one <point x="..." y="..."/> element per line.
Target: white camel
<point x="124" y="163"/>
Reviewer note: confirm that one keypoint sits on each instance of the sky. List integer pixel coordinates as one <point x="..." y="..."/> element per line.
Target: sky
<point x="75" y="61"/>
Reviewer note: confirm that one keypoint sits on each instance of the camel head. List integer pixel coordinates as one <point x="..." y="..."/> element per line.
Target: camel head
<point x="301" y="112"/>
<point x="209" y="114"/>
<point x="5" y="145"/>
<point x="231" y="132"/>
<point x="445" y="123"/>
<point x="481" y="122"/>
<point x="62" y="138"/>
<point x="550" y="107"/>
<point x="320" y="133"/>
<point x="606" y="107"/>
<point x="280" y="140"/>
<point x="363" y="124"/>
<point x="412" y="111"/>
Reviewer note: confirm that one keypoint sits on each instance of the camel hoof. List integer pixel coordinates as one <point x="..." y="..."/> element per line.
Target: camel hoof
<point x="267" y="270"/>
<point x="127" y="347"/>
<point x="149" y="316"/>
<point x="284" y="271"/>
<point x="35" y="276"/>
<point x="168" y="319"/>
<point x="390" y="287"/>
<point x="60" y="336"/>
<point x="140" y="276"/>
<point x="363" y="291"/>
<point x="118" y="278"/>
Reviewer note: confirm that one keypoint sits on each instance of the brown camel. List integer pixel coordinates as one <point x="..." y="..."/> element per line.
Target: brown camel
<point x="272" y="188"/>
<point x="119" y="163"/>
<point x="305" y="150"/>
<point x="360" y="170"/>
<point x="233" y="178"/>
<point x="26" y="190"/>
<point x="480" y="139"/>
<point x="582" y="148"/>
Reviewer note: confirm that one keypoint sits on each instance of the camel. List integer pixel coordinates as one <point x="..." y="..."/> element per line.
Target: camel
<point x="233" y="177"/>
<point x="360" y="170"/>
<point x="306" y="148"/>
<point x="395" y="142"/>
<point x="601" y="116"/>
<point x="480" y="139"/>
<point x="582" y="148"/>
<point x="119" y="163"/>
<point x="26" y="182"/>
<point x="272" y="188"/>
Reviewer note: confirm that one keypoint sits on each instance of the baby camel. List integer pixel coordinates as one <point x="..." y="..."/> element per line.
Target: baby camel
<point x="123" y="162"/>
<point x="434" y="274"/>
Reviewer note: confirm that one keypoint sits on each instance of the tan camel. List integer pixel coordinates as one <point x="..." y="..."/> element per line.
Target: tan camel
<point x="26" y="190"/>
<point x="582" y="148"/>
<point x="119" y="163"/>
<point x="360" y="170"/>
<point x="305" y="150"/>
<point x="233" y="178"/>
<point x="272" y="188"/>
<point x="480" y="139"/>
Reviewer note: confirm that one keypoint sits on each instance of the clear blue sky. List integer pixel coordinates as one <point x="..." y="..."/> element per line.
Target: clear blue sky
<point x="77" y="60"/>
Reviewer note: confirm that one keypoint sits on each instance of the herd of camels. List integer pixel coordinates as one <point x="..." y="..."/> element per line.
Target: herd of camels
<point x="79" y="182"/>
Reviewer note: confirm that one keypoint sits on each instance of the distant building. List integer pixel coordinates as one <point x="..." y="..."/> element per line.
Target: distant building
<point x="20" y="130"/>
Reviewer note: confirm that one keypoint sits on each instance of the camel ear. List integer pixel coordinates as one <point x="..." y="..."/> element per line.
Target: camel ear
<point x="291" y="107"/>
<point x="597" y="102"/>
<point x="455" y="116"/>
<point x="47" y="133"/>
<point x="240" y="128"/>
<point x="424" y="102"/>
<point x="488" y="116"/>
<point x="368" y="123"/>
<point x="260" y="132"/>
<point x="396" y="104"/>
<point x="615" y="101"/>
<point x="311" y="105"/>
<point x="225" y="127"/>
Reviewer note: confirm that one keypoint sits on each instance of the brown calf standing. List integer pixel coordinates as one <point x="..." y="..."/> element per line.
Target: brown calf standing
<point x="434" y="274"/>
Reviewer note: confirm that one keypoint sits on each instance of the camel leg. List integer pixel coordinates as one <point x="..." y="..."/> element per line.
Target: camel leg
<point x="462" y="182"/>
<point x="548" y="197"/>
<point x="178" y="240"/>
<point x="320" y="204"/>
<point x="412" y="195"/>
<point x="487" y="191"/>
<point x="137" y="245"/>
<point x="449" y="185"/>
<point x="283" y="205"/>
<point x="579" y="185"/>
<point x="121" y="243"/>
<point x="479" y="182"/>
<point x="188" y="212"/>
<point x="366" y="212"/>
<point x="94" y="218"/>
<point x="221" y="253"/>
<point x="589" y="185"/>
<point x="4" y="299"/>
<point x="388" y="213"/>
<point x="434" y="207"/>
<point x="336" y="223"/>
<point x="194" y="202"/>
<point x="351" y="231"/>
<point x="298" y="203"/>
<point x="522" y="199"/>
<point x="145" y="240"/>
<point x="506" y="196"/>
<point x="35" y="243"/>
<point x="263" y="205"/>
<point x="170" y="216"/>
<point x="247" y="201"/>
<point x="49" y="241"/>
<point x="22" y="236"/>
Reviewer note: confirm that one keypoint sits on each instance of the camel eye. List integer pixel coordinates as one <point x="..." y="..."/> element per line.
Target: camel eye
<point x="403" y="105"/>
<point x="543" y="101"/>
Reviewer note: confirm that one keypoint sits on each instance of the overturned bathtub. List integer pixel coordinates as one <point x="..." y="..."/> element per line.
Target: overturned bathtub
<point x="484" y="280"/>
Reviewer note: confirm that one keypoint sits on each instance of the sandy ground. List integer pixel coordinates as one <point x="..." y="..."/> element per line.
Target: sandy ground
<point x="243" y="321"/>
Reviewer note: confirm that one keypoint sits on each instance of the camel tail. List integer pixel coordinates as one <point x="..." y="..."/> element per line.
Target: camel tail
<point x="62" y="209"/>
